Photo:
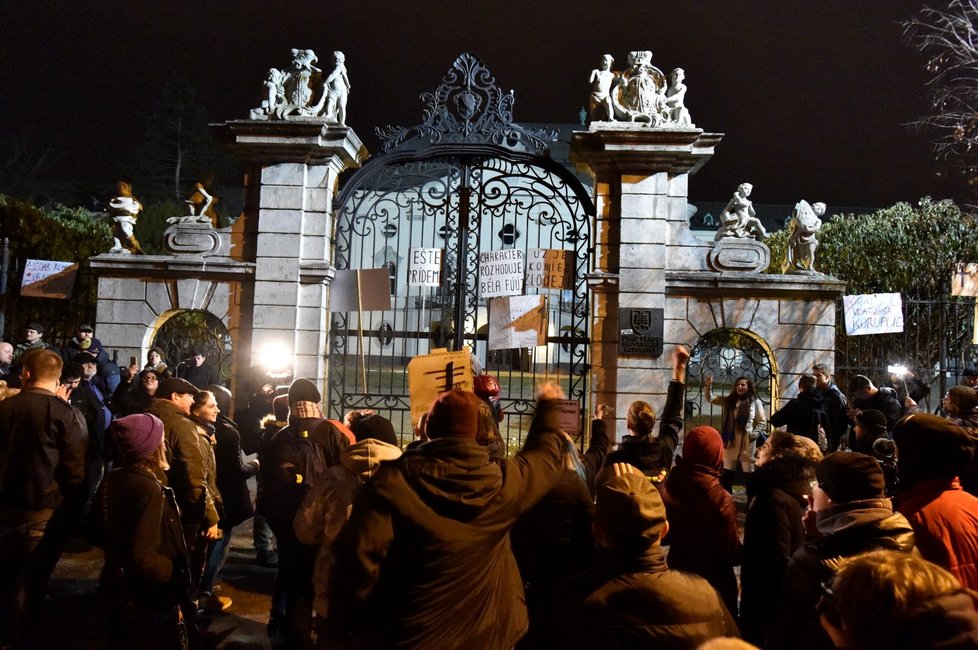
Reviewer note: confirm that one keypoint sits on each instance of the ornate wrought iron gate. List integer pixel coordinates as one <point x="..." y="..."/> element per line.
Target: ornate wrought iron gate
<point x="466" y="180"/>
<point x="725" y="355"/>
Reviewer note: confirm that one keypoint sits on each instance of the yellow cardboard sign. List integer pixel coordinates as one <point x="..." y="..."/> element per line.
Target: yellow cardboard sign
<point x="430" y="375"/>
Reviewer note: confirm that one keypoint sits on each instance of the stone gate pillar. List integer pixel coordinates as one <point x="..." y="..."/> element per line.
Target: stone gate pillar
<point x="286" y="229"/>
<point x="640" y="196"/>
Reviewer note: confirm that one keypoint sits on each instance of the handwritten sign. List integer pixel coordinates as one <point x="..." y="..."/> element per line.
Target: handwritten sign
<point x="501" y="273"/>
<point x="964" y="280"/>
<point x="874" y="313"/>
<point x="547" y="268"/>
<point x="424" y="267"/>
<point x="48" y="279"/>
<point x="360" y="290"/>
<point x="568" y="416"/>
<point x="517" y="322"/>
<point x="430" y="375"/>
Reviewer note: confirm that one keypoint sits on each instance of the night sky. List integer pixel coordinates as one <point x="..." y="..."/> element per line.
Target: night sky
<point x="812" y="96"/>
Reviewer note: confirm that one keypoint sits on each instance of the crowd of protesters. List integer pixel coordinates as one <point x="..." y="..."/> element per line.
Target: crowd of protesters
<point x="861" y="527"/>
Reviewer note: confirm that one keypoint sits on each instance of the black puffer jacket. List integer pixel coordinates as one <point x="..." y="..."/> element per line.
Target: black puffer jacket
<point x="802" y="415"/>
<point x="773" y="531"/>
<point x="654" y="455"/>
<point x="846" y="529"/>
<point x="636" y="601"/>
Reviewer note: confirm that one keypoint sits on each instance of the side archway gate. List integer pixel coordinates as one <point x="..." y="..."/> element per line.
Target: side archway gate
<point x="464" y="181"/>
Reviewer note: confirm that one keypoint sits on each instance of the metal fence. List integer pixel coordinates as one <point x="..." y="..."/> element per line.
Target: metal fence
<point x="937" y="344"/>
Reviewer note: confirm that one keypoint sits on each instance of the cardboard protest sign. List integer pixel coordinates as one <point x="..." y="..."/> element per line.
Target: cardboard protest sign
<point x="424" y="267"/>
<point x="48" y="279"/>
<point x="360" y="290"/>
<point x="548" y="268"/>
<point x="964" y="280"/>
<point x="501" y="273"/>
<point x="874" y="313"/>
<point x="429" y="375"/>
<point x="517" y="322"/>
<point x="568" y="416"/>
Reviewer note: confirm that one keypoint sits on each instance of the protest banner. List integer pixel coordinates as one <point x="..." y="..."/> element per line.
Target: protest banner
<point x="360" y="290"/>
<point x="501" y="273"/>
<point x="48" y="279"/>
<point x="424" y="267"/>
<point x="874" y="313"/>
<point x="548" y="268"/>
<point x="517" y="322"/>
<point x="568" y="416"/>
<point x="429" y="375"/>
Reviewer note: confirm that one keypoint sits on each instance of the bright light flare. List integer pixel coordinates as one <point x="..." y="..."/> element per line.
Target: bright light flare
<point x="275" y="357"/>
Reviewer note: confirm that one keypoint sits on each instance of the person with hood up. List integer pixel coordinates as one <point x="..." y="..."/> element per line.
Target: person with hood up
<point x="653" y="454"/>
<point x="805" y="414"/>
<point x="932" y="453"/>
<point x="887" y="600"/>
<point x="773" y="530"/>
<point x="852" y="516"/>
<point x="425" y="559"/>
<point x="632" y="599"/>
<point x="327" y="505"/>
<point x="703" y="537"/>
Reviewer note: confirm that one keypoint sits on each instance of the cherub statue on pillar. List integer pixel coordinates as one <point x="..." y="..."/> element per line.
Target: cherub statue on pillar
<point x="201" y="202"/>
<point x="805" y="223"/>
<point x="123" y="210"/>
<point x="738" y="219"/>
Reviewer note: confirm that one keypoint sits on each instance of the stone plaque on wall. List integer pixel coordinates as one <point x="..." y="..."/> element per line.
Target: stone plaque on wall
<point x="641" y="332"/>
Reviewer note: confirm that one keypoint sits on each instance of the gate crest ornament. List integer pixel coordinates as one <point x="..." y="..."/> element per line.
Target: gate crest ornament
<point x="468" y="107"/>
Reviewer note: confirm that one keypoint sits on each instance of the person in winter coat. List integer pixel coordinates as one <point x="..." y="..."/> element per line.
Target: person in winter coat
<point x="703" y="537"/>
<point x="932" y="454"/>
<point x="284" y="485"/>
<point x="836" y="405"/>
<point x="327" y="505"/>
<point x="887" y="600"/>
<point x="653" y="455"/>
<point x="866" y="396"/>
<point x="804" y="414"/>
<point x="852" y="516"/>
<point x="869" y="427"/>
<point x="146" y="575"/>
<point x="777" y="499"/>
<point x="425" y="559"/>
<point x="136" y="395"/>
<point x="633" y="599"/>
<point x="554" y="539"/>
<point x="743" y="423"/>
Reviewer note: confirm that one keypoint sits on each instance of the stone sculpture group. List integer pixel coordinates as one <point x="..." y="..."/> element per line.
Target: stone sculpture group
<point x="639" y="94"/>
<point x="123" y="210"/>
<point x="302" y="90"/>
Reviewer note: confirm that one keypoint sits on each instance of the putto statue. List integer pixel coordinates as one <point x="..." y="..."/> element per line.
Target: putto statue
<point x="640" y="94"/>
<point x="302" y="90"/>
<point x="201" y="204"/>
<point x="805" y="223"/>
<point x="123" y="210"/>
<point x="738" y="219"/>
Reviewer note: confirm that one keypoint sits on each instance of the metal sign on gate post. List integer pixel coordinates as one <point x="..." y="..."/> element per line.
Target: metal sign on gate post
<point x="641" y="331"/>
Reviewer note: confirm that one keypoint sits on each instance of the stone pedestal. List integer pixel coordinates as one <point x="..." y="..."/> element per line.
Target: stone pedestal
<point x="286" y="229"/>
<point x="647" y="260"/>
<point x="641" y="230"/>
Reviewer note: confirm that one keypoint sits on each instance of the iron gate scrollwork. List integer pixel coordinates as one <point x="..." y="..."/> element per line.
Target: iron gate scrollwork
<point x="466" y="180"/>
<point x="727" y="354"/>
<point x="195" y="329"/>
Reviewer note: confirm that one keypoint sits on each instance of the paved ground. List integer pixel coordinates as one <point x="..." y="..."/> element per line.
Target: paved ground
<point x="76" y="621"/>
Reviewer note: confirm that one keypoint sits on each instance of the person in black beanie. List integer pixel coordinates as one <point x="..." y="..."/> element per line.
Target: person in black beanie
<point x="852" y="516"/>
<point x="870" y="427"/>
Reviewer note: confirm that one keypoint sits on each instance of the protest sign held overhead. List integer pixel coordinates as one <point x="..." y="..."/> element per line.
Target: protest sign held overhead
<point x="964" y="280"/>
<point x="517" y="322"/>
<point x="874" y="313"/>
<point x="501" y="273"/>
<point x="360" y="290"/>
<point x="548" y="268"/>
<point x="430" y="375"/>
<point x="424" y="268"/>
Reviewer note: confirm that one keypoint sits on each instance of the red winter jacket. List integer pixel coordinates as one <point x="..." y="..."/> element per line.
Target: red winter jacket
<point x="945" y="523"/>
